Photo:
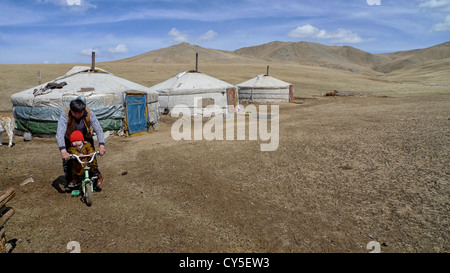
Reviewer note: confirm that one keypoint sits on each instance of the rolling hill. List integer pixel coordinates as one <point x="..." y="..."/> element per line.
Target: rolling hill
<point x="185" y="53"/>
<point x="347" y="58"/>
<point x="314" y="54"/>
<point x="414" y="58"/>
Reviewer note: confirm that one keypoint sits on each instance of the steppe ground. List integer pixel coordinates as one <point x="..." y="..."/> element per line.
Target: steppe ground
<point x="348" y="171"/>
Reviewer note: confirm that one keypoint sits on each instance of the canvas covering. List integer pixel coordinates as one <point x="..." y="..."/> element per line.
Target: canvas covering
<point x="38" y="109"/>
<point x="264" y="88"/>
<point x="190" y="88"/>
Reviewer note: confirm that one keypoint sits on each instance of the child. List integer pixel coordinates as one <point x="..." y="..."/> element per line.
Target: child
<point x="80" y="147"/>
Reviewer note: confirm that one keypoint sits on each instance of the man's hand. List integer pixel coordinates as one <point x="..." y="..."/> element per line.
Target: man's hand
<point x="65" y="155"/>
<point x="102" y="149"/>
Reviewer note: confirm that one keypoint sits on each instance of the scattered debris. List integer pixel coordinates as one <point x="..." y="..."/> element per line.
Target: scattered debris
<point x="27" y="136"/>
<point x="26" y="181"/>
<point x="335" y="93"/>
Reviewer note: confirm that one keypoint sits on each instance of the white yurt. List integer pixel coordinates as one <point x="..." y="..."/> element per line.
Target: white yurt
<point x="195" y="90"/>
<point x="118" y="103"/>
<point x="265" y="88"/>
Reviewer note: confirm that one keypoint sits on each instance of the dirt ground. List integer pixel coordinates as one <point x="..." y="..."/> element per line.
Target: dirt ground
<point x="348" y="171"/>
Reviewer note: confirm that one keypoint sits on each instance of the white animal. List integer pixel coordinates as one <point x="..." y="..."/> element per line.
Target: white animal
<point x="7" y="125"/>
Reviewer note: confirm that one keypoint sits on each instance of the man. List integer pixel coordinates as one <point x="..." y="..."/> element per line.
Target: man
<point x="78" y="117"/>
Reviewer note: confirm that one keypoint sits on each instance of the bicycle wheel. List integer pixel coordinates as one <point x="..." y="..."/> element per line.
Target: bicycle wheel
<point x="88" y="194"/>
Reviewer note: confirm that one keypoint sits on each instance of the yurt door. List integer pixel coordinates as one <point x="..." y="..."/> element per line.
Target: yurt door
<point x="136" y="113"/>
<point x="231" y="98"/>
<point x="291" y="93"/>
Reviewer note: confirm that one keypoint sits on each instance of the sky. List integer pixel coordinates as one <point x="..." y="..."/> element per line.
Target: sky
<point x="67" y="31"/>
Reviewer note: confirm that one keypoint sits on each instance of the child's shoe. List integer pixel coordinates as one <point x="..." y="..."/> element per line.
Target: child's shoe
<point x="74" y="182"/>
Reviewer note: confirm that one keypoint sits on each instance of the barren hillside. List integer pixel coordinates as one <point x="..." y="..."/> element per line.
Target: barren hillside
<point x="185" y="53"/>
<point x="432" y="61"/>
<point x="340" y="57"/>
<point x="425" y="57"/>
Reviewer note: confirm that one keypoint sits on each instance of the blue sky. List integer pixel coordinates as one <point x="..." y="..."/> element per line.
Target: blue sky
<point x="67" y="31"/>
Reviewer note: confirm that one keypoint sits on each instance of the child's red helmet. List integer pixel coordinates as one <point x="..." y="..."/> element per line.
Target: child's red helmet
<point x="76" y="136"/>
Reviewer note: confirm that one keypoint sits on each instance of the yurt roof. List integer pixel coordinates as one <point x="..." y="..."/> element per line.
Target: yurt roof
<point x="190" y="82"/>
<point x="264" y="81"/>
<point x="79" y="81"/>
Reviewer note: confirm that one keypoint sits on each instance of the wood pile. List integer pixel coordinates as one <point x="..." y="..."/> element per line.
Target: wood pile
<point x="336" y="93"/>
<point x="5" y="214"/>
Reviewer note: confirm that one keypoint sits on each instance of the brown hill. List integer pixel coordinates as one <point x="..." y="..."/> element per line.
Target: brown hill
<point x="185" y="53"/>
<point x="437" y="52"/>
<point x="350" y="58"/>
<point x="426" y="57"/>
<point x="341" y="57"/>
<point x="347" y="58"/>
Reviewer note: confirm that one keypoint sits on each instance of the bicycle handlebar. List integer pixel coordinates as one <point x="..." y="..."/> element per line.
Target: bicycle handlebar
<point x="72" y="156"/>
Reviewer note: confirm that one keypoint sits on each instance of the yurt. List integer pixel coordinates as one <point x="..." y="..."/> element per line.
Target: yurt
<point x="196" y="91"/>
<point x="119" y="104"/>
<point x="265" y="88"/>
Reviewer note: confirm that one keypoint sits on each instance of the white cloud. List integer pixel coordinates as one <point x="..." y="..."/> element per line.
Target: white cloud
<point x="119" y="49"/>
<point x="444" y="26"/>
<point x="341" y="36"/>
<point x="177" y="35"/>
<point x="442" y="5"/>
<point x="54" y="2"/>
<point x="305" y="31"/>
<point x="209" y="35"/>
<point x="76" y="5"/>
<point x="88" y="51"/>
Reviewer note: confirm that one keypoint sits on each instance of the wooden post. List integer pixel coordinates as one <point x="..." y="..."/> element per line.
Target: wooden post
<point x="5" y="214"/>
<point x="39" y="76"/>
<point x="6" y="195"/>
<point x="291" y="93"/>
<point x="267" y="74"/>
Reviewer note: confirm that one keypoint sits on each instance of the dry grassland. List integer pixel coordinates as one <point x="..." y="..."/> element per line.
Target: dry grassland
<point x="348" y="171"/>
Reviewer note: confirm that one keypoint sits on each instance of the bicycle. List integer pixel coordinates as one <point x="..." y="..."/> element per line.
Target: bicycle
<point x="87" y="184"/>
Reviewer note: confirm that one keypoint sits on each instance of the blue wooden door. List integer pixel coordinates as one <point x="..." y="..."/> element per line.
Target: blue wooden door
<point x="136" y="110"/>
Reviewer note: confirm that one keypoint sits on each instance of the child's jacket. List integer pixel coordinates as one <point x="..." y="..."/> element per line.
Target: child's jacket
<point x="86" y="149"/>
